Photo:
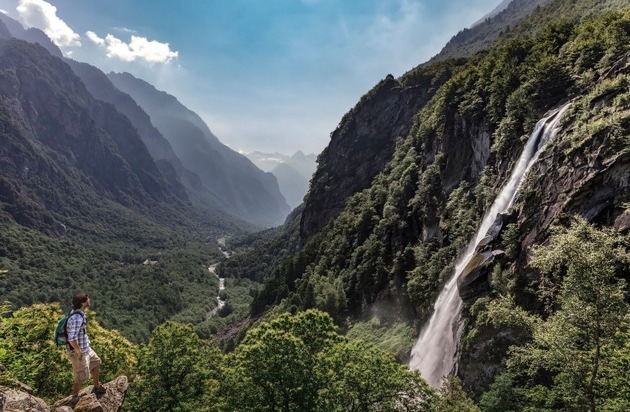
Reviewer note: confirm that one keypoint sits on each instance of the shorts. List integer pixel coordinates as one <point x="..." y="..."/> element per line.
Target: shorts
<point x="81" y="367"/>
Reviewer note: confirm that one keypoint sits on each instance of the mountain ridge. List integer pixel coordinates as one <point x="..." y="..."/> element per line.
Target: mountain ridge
<point x="231" y="177"/>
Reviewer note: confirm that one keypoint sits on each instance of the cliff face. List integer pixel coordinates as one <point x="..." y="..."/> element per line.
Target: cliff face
<point x="386" y="217"/>
<point x="363" y="144"/>
<point x="583" y="173"/>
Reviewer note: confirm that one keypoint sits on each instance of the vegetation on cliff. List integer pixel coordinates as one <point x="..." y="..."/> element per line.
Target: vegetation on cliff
<point x="398" y="239"/>
<point x="549" y="332"/>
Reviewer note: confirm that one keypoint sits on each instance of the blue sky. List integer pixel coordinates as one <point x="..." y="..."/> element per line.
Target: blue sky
<point x="267" y="75"/>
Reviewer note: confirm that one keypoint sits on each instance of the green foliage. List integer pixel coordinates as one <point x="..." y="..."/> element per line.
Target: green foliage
<point x="256" y="255"/>
<point x="453" y="397"/>
<point x="44" y="269"/>
<point x="602" y="117"/>
<point x="178" y="371"/>
<point x="579" y="353"/>
<point x="30" y="355"/>
<point x="390" y="336"/>
<point x="300" y="363"/>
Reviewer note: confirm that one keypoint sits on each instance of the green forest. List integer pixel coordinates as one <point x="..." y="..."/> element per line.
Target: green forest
<point x="577" y="356"/>
<point x="329" y="325"/>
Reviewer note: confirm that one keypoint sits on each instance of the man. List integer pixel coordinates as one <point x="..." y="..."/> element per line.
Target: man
<point x="84" y="360"/>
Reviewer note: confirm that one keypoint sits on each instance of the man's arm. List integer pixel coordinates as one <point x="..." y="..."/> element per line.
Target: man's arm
<point x="75" y="346"/>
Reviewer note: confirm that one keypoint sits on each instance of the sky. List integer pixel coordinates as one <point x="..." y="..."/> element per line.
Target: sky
<point x="265" y="75"/>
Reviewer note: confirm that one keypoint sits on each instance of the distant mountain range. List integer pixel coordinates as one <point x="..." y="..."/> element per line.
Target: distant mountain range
<point x="191" y="163"/>
<point x="230" y="177"/>
<point x="294" y="173"/>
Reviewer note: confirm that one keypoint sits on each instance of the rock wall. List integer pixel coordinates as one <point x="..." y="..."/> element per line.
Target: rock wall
<point x="360" y="148"/>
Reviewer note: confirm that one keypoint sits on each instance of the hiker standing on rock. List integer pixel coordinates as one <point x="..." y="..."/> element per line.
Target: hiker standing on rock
<point x="84" y="360"/>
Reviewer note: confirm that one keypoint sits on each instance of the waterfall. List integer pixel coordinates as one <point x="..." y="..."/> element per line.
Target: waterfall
<point x="435" y="350"/>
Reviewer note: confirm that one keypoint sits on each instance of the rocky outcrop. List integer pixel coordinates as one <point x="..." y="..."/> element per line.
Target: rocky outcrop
<point x="360" y="147"/>
<point x="20" y="399"/>
<point x="111" y="401"/>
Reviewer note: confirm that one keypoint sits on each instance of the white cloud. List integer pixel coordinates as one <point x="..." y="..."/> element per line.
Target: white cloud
<point x="139" y="48"/>
<point x="94" y="38"/>
<point x="43" y="15"/>
<point x="4" y="11"/>
<point x="125" y="30"/>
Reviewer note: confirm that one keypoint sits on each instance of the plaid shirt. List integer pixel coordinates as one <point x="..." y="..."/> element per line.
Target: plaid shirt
<point x="77" y="330"/>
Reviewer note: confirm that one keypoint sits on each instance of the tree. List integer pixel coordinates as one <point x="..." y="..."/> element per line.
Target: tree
<point x="577" y="342"/>
<point x="300" y="363"/>
<point x="362" y="378"/>
<point x="176" y="371"/>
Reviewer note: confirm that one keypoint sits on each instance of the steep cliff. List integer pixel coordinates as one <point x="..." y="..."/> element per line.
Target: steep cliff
<point x="364" y="142"/>
<point x="383" y="250"/>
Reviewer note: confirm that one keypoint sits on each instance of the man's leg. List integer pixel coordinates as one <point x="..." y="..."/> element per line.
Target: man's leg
<point x="94" y="373"/>
<point x="79" y="371"/>
<point x="76" y="387"/>
<point x="95" y="367"/>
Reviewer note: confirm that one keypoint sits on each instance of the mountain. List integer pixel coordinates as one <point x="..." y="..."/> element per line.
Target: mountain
<point x="183" y="182"/>
<point x="31" y="35"/>
<point x="293" y="172"/>
<point x="412" y="169"/>
<point x="364" y="141"/>
<point x="83" y="203"/>
<point x="242" y="188"/>
<point x="102" y="88"/>
<point x="502" y="6"/>
<point x="46" y="104"/>
<point x="482" y="34"/>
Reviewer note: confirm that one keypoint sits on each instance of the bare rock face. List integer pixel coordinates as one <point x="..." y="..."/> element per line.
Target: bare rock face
<point x="359" y="149"/>
<point x="19" y="399"/>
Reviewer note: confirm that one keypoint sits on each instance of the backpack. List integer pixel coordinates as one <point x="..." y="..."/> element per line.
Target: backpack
<point x="61" y="331"/>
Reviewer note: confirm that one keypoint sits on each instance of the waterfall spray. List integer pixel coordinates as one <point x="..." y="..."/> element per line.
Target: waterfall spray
<point x="434" y="353"/>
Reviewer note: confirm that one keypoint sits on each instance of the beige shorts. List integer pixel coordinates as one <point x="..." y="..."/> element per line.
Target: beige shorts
<point x="81" y="367"/>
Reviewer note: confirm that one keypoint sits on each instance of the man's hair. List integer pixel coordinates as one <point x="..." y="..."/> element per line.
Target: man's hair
<point x="79" y="299"/>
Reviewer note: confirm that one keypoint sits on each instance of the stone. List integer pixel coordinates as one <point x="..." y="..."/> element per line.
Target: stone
<point x="110" y="401"/>
<point x="14" y="400"/>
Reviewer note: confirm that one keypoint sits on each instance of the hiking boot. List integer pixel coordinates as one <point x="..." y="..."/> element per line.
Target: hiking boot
<point x="99" y="390"/>
<point x="72" y="402"/>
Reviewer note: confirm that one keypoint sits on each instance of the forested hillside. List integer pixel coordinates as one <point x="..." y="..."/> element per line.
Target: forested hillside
<point x="83" y="205"/>
<point x="377" y="267"/>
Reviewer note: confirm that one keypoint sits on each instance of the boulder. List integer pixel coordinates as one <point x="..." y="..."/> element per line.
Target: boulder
<point x="15" y="399"/>
<point x="111" y="401"/>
